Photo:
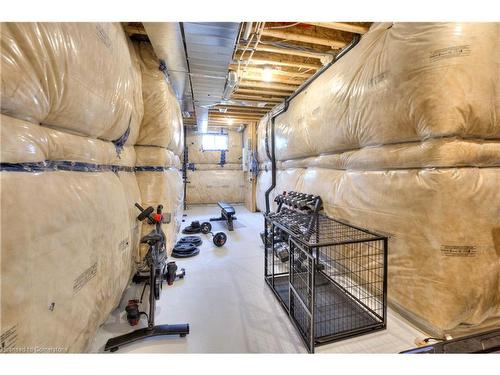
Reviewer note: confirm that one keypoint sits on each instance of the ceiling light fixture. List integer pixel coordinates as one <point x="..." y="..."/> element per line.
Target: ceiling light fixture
<point x="267" y="74"/>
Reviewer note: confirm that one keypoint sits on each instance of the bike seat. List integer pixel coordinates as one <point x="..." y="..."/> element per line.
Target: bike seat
<point x="151" y="238"/>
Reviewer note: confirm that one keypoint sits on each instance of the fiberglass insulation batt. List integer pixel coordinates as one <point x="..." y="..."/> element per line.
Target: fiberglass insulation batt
<point x="69" y="233"/>
<point x="67" y="237"/>
<point x="159" y="144"/>
<point x="401" y="136"/>
<point x="211" y="182"/>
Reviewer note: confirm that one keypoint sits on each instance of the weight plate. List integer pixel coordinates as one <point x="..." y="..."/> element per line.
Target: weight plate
<point x="220" y="239"/>
<point x="190" y="230"/>
<point x="191" y="239"/>
<point x="206" y="227"/>
<point x="184" y="247"/>
<point x="187" y="254"/>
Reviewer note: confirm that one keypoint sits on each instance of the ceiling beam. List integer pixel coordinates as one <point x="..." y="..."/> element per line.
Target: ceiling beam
<point x="275" y="71"/>
<point x="265" y="101"/>
<point x="240" y="107"/>
<point x="257" y="98"/>
<point x="289" y="51"/>
<point x="135" y="30"/>
<point x="261" y="91"/>
<point x="303" y="38"/>
<point x="224" y="121"/>
<point x="240" y="117"/>
<point x="290" y="64"/>
<point x="243" y="112"/>
<point x="342" y="26"/>
<point x="274" y="79"/>
<point x="265" y="85"/>
<point x="237" y="114"/>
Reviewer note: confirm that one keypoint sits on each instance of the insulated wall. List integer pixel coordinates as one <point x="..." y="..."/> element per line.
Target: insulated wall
<point x="401" y="136"/>
<point x="215" y="177"/>
<point x="68" y="228"/>
<point x="159" y="144"/>
<point x="72" y="106"/>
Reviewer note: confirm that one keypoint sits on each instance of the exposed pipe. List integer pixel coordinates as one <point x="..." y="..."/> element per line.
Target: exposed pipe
<point x="284" y="108"/>
<point x="232" y="81"/>
<point x="248" y="30"/>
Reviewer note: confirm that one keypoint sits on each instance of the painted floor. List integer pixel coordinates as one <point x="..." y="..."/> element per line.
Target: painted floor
<point x="230" y="308"/>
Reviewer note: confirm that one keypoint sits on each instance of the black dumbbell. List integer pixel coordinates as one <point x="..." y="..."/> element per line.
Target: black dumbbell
<point x="219" y="238"/>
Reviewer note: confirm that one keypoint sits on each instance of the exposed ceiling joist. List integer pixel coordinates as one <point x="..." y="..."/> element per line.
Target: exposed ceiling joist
<point x="275" y="72"/>
<point x="274" y="79"/>
<point x="240" y="108"/>
<point x="272" y="86"/>
<point x="342" y="26"/>
<point x="130" y="29"/>
<point x="234" y="118"/>
<point x="238" y="114"/>
<point x="292" y="64"/>
<point x="287" y="35"/>
<point x="257" y="98"/>
<point x="289" y="51"/>
<point x="261" y="91"/>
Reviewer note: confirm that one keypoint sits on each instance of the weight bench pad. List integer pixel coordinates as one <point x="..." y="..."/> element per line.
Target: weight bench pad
<point x="227" y="208"/>
<point x="227" y="212"/>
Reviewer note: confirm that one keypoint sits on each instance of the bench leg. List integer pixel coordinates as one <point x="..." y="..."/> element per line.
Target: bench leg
<point x="230" y="223"/>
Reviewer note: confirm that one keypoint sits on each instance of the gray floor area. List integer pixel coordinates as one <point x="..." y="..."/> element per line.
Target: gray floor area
<point x="229" y="307"/>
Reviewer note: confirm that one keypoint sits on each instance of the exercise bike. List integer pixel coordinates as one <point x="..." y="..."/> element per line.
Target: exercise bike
<point x="156" y="261"/>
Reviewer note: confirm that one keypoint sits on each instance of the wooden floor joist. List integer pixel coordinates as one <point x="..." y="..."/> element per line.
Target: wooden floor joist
<point x="239" y="111"/>
<point x="258" y="115"/>
<point x="276" y="72"/>
<point x="135" y="30"/>
<point x="261" y="91"/>
<point x="265" y="85"/>
<point x="228" y="118"/>
<point x="274" y="79"/>
<point x="291" y="64"/>
<point x="287" y="35"/>
<point x="257" y="98"/>
<point x="231" y="107"/>
<point x="289" y="51"/>
<point x="342" y="26"/>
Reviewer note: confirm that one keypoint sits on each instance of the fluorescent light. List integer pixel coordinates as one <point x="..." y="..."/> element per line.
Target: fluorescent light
<point x="267" y="74"/>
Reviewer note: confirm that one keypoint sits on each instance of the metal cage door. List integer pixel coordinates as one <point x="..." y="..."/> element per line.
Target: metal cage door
<point x="302" y="292"/>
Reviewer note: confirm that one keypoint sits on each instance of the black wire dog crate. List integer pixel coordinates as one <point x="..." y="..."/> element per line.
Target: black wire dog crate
<point x="331" y="277"/>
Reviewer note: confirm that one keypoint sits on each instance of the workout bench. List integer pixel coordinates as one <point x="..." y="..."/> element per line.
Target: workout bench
<point x="227" y="215"/>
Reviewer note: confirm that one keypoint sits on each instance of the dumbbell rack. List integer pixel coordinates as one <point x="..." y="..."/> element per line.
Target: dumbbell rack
<point x="329" y="276"/>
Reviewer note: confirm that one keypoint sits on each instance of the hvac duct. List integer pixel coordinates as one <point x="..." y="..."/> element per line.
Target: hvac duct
<point x="201" y="119"/>
<point x="166" y="39"/>
<point x="247" y="31"/>
<point x="232" y="80"/>
<point x="209" y="50"/>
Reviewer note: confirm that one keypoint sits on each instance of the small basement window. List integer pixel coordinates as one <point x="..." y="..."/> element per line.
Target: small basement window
<point x="214" y="142"/>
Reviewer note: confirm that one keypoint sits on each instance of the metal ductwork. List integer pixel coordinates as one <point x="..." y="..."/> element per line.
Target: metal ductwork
<point x="197" y="57"/>
<point x="166" y="39"/>
<point x="232" y="81"/>
<point x="209" y="49"/>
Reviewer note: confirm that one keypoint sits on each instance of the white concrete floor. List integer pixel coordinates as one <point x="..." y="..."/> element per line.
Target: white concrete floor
<point x="230" y="308"/>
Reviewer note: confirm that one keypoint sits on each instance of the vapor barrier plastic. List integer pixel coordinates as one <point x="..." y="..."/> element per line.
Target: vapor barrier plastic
<point x="66" y="75"/>
<point x="211" y="186"/>
<point x="162" y="122"/>
<point x="401" y="136"/>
